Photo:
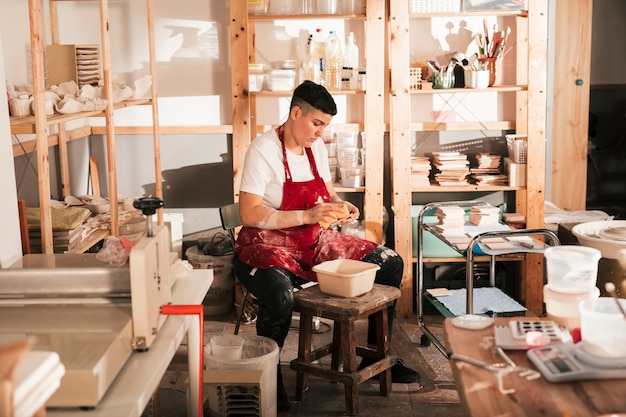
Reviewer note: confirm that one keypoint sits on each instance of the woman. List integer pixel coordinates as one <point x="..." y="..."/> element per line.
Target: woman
<point x="286" y="192"/>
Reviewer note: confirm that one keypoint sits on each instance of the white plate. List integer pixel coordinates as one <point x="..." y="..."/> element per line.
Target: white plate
<point x="472" y="322"/>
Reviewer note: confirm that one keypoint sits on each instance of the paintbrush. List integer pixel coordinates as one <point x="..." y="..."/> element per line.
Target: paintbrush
<point x="486" y="30"/>
<point x="503" y="43"/>
<point x="610" y="288"/>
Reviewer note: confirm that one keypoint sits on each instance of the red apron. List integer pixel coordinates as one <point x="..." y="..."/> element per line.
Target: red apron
<point x="298" y="248"/>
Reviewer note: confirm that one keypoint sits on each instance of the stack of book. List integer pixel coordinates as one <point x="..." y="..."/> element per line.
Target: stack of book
<point x="488" y="170"/>
<point x="420" y="171"/>
<point x="452" y="168"/>
<point x="451" y="220"/>
<point x="484" y="215"/>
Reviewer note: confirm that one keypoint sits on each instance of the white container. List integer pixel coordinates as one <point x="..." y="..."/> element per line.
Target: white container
<point x="572" y="269"/>
<point x="255" y="82"/>
<point x="346" y="139"/>
<point x="563" y="307"/>
<point x="326" y="6"/>
<point x="283" y="7"/>
<point x="347" y="155"/>
<point x="603" y="327"/>
<point x="258" y="353"/>
<point x="351" y="176"/>
<point x="476" y="79"/>
<point x="228" y="346"/>
<point x="281" y="80"/>
<point x="345" y="277"/>
<point x="258" y="6"/>
<point x="517" y="146"/>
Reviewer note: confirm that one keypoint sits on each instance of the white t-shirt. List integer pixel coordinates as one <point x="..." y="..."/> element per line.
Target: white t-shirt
<point x="264" y="172"/>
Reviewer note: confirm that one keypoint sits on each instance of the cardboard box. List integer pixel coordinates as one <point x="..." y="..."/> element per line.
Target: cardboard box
<point x="515" y="172"/>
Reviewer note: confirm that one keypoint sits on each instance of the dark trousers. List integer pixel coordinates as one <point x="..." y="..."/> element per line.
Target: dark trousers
<point x="274" y="287"/>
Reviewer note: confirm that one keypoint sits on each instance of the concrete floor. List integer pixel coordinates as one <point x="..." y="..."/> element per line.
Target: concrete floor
<point x="435" y="395"/>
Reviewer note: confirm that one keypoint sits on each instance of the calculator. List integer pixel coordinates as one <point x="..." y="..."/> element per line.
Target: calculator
<point x="569" y="362"/>
<point x="513" y="336"/>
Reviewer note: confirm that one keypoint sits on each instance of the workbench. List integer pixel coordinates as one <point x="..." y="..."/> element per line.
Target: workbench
<point x="480" y="397"/>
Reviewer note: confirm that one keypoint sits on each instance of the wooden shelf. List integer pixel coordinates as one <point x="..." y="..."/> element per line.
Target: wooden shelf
<point x="39" y="124"/>
<point x="290" y="93"/>
<point x="450" y="126"/>
<point x="499" y="89"/>
<point x="520" y="13"/>
<point x="260" y="17"/>
<point x="464" y="188"/>
<point x="372" y="119"/>
<point x="26" y="124"/>
<point x="477" y="259"/>
<point x="525" y="101"/>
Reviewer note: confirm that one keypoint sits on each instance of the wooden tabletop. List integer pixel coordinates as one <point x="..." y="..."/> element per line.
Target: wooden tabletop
<point x="480" y="396"/>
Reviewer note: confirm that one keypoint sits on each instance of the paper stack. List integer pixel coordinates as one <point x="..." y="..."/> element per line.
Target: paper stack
<point x="484" y="215"/>
<point x="488" y="170"/>
<point x="451" y="220"/>
<point x="452" y="167"/>
<point x="420" y="171"/>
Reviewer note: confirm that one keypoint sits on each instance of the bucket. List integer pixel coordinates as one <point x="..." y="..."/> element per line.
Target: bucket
<point x="572" y="269"/>
<point x="258" y="353"/>
<point x="563" y="307"/>
<point x="228" y="346"/>
<point x="603" y="327"/>
<point x="221" y="295"/>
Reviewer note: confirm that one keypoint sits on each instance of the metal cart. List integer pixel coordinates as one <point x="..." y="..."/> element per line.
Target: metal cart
<point x="469" y="254"/>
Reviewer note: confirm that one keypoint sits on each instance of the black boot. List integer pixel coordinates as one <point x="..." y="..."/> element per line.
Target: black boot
<point x="281" y="393"/>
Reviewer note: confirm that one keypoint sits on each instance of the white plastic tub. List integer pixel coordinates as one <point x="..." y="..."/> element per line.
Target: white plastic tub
<point x="258" y="353"/>
<point x="281" y="80"/>
<point x="572" y="269"/>
<point x="345" y="277"/>
<point x="563" y="307"/>
<point x="603" y="327"/>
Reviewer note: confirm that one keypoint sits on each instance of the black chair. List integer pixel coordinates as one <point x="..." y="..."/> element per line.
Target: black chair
<point x="229" y="215"/>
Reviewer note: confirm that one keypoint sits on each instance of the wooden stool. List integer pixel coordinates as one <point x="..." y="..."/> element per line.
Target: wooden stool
<point x="344" y="312"/>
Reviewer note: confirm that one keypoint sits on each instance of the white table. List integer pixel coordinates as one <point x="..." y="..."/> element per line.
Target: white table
<point x="136" y="383"/>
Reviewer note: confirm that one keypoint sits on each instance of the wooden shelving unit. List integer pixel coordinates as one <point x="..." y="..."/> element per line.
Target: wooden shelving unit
<point x="242" y="41"/>
<point x="40" y="124"/>
<point x="530" y="99"/>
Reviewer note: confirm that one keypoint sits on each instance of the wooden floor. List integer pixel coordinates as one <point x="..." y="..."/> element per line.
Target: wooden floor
<point x="435" y="395"/>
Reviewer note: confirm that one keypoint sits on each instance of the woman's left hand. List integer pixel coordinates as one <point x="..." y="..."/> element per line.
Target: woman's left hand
<point x="354" y="213"/>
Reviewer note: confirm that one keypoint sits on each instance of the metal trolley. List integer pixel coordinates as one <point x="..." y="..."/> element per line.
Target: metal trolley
<point x="469" y="254"/>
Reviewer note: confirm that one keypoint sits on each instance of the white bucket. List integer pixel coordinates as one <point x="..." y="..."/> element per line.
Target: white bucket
<point x="603" y="327"/>
<point x="572" y="269"/>
<point x="258" y="353"/>
<point x="563" y="307"/>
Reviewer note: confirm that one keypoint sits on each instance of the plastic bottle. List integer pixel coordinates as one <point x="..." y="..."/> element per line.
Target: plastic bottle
<point x="351" y="60"/>
<point x="334" y="62"/>
<point x="319" y="54"/>
<point x="310" y="65"/>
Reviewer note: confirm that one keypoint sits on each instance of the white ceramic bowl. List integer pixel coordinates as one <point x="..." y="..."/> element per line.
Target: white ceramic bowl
<point x="602" y="236"/>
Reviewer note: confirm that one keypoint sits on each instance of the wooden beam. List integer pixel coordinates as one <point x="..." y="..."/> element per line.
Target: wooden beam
<point x="41" y="127"/>
<point x="570" y="124"/>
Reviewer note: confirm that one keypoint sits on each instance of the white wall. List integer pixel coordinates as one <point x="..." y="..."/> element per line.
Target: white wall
<point x="10" y="239"/>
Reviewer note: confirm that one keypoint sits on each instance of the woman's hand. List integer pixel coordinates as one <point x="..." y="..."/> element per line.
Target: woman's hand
<point x="354" y="213"/>
<point x="328" y="214"/>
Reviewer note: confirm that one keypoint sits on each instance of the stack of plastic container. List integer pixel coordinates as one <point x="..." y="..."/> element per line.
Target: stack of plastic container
<point x="351" y="172"/>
